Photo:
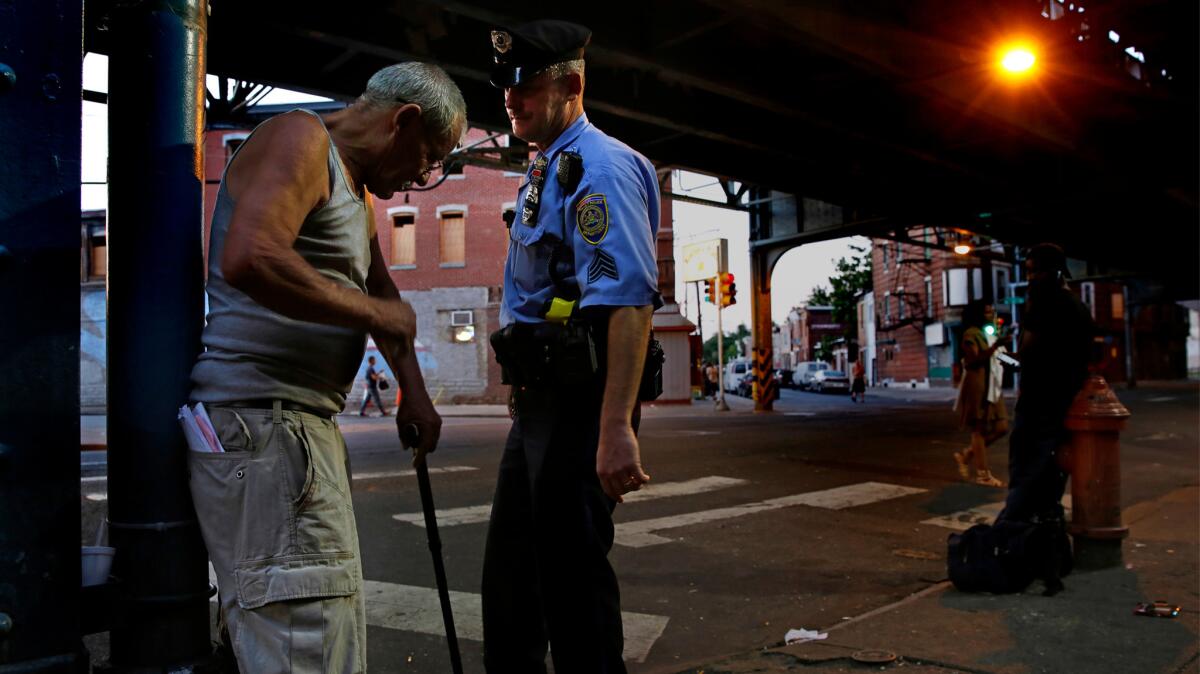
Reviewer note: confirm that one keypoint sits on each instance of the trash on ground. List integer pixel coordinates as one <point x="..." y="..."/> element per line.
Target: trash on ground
<point x="1158" y="609"/>
<point x="802" y="635"/>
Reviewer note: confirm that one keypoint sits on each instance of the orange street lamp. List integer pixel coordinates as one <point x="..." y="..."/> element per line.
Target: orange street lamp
<point x="1017" y="60"/>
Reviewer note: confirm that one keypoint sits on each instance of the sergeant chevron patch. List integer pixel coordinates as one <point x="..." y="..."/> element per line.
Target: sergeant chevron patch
<point x="602" y="264"/>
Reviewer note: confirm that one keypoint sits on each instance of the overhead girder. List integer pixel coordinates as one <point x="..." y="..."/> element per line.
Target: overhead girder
<point x="883" y="108"/>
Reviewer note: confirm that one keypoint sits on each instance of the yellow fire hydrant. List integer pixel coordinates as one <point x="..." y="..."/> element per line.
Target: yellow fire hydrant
<point x="1093" y="458"/>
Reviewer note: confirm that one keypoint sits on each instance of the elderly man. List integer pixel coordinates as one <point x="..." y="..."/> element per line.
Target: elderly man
<point x="579" y="289"/>
<point x="296" y="279"/>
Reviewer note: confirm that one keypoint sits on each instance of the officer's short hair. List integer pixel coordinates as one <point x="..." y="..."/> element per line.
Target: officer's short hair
<point x="426" y="85"/>
<point x="564" y="68"/>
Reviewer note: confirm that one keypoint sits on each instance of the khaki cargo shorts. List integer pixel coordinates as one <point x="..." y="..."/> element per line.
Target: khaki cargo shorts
<point x="276" y="516"/>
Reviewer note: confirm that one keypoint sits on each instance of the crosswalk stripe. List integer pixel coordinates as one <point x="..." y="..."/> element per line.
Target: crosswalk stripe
<point x="451" y="517"/>
<point x="410" y="472"/>
<point x="418" y="609"/>
<point x="984" y="514"/>
<point x="640" y="533"/>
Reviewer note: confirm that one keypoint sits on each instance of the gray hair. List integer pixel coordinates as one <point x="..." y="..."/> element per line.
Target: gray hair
<point x="426" y="85"/>
<point x="564" y="68"/>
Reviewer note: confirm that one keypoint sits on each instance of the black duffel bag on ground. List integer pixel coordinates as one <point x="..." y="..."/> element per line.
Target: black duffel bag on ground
<point x="1007" y="556"/>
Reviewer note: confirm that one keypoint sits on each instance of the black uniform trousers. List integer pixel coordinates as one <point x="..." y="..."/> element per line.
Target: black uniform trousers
<point x="546" y="574"/>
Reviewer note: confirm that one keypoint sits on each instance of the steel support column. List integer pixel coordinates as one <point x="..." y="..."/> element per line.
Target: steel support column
<point x="762" y="262"/>
<point x="40" y="106"/>
<point x="155" y="304"/>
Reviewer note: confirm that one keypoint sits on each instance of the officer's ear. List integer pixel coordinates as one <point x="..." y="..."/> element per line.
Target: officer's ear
<point x="574" y="84"/>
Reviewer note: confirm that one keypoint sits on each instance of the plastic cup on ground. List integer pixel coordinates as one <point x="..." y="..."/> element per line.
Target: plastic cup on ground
<point x="97" y="562"/>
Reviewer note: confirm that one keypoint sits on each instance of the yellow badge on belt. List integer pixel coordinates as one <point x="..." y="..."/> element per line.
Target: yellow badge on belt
<point x="591" y="215"/>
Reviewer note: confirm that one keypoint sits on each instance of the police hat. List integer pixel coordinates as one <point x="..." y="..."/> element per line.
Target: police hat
<point x="521" y="53"/>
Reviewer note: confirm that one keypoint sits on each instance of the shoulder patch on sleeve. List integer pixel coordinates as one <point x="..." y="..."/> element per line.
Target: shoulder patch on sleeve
<point x="591" y="217"/>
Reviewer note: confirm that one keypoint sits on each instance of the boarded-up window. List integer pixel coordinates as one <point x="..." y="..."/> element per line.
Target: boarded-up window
<point x="453" y="240"/>
<point x="404" y="239"/>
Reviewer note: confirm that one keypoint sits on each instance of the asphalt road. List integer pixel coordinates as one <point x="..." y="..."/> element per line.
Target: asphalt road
<point x="753" y="524"/>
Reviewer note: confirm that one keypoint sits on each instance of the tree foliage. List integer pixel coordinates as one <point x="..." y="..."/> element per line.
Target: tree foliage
<point x="853" y="278"/>
<point x="732" y="342"/>
<point x="819" y="297"/>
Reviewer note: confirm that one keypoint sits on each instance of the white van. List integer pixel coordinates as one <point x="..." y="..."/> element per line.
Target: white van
<point x="803" y="373"/>
<point x="734" y="370"/>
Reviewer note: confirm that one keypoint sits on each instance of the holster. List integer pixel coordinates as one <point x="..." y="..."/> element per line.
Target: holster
<point x="651" y="386"/>
<point x="546" y="354"/>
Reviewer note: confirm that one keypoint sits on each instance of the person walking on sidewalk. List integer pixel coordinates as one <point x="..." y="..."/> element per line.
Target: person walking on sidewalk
<point x="858" y="385"/>
<point x="587" y="219"/>
<point x="296" y="280"/>
<point x="372" y="379"/>
<point x="980" y="402"/>
<point x="1056" y="349"/>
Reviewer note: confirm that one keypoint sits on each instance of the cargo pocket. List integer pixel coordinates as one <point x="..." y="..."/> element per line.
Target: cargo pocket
<point x="296" y="577"/>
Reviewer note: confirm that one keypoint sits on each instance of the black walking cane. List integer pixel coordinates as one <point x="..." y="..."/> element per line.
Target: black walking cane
<point x="409" y="436"/>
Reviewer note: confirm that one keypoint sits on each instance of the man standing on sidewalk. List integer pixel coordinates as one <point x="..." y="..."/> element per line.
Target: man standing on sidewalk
<point x="1056" y="347"/>
<point x="296" y="279"/>
<point x="580" y="286"/>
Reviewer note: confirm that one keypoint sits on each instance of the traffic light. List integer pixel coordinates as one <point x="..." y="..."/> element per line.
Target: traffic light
<point x="710" y="290"/>
<point x="728" y="290"/>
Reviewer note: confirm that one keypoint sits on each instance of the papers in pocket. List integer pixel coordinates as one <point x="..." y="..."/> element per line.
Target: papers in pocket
<point x="198" y="429"/>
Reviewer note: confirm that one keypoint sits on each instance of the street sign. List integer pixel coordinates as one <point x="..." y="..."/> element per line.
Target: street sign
<point x="1013" y="299"/>
<point x="703" y="259"/>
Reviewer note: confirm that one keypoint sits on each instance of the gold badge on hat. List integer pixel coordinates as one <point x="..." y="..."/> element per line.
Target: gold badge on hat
<point x="501" y="41"/>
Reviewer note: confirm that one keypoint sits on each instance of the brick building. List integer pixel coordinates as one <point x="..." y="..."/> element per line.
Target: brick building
<point x="917" y="302"/>
<point x="918" y="296"/>
<point x="806" y="327"/>
<point x="445" y="249"/>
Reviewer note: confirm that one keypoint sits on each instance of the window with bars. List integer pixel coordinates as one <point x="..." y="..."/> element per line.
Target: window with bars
<point x="404" y="240"/>
<point x="453" y="239"/>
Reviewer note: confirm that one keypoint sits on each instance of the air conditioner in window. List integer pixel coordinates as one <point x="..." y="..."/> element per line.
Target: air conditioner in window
<point x="461" y="318"/>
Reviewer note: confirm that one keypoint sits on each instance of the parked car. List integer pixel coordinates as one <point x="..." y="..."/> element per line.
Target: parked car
<point x="803" y="374"/>
<point x="734" y="370"/>
<point x="830" y="380"/>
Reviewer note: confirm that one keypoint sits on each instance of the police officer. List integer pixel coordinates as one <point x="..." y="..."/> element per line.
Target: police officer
<point x="580" y="285"/>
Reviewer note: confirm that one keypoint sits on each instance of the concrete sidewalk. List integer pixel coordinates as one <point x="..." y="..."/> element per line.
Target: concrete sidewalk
<point x="1089" y="627"/>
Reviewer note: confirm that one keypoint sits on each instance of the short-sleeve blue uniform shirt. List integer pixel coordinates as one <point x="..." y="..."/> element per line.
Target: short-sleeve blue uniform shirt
<point x="609" y="221"/>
